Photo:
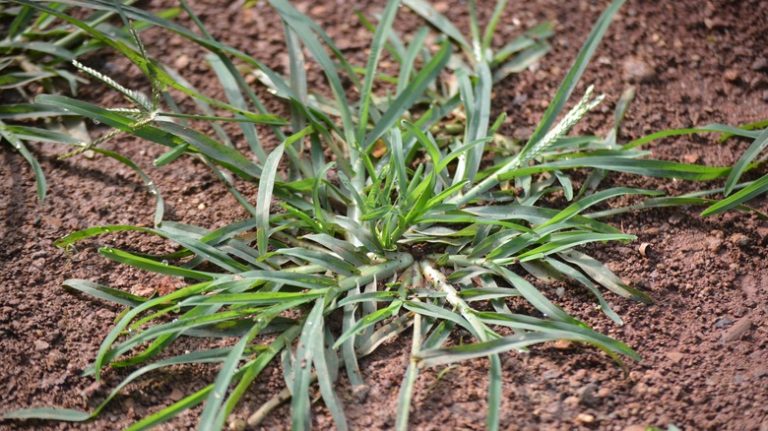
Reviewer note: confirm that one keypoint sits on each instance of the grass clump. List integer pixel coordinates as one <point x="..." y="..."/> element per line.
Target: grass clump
<point x="394" y="212"/>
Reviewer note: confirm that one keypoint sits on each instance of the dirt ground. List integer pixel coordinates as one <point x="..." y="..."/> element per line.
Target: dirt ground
<point x="704" y="342"/>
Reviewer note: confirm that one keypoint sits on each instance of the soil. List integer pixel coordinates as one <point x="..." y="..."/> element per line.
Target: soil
<point x="704" y="341"/>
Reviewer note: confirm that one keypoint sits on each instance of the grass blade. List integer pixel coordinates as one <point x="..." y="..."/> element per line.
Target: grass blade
<point x="439" y="21"/>
<point x="593" y="268"/>
<point x="300" y="408"/>
<point x="104" y="292"/>
<point x="406" y="99"/>
<point x="377" y="45"/>
<point x="264" y="198"/>
<point x="40" y="182"/>
<point x="464" y="352"/>
<point x="574" y="74"/>
<point x="490" y="29"/>
<point x="325" y="379"/>
<point x="759" y="144"/>
<point x="754" y="189"/>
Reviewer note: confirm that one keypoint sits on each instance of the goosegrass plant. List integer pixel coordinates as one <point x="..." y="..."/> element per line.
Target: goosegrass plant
<point x="370" y="211"/>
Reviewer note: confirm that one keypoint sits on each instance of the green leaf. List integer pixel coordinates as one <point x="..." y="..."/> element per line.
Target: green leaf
<point x="594" y="199"/>
<point x="40" y="182"/>
<point x="377" y="45"/>
<point x="368" y="321"/>
<point x="412" y="92"/>
<point x="209" y="418"/>
<point x="326" y="260"/>
<point x="522" y="60"/>
<point x="406" y="67"/>
<point x="533" y="295"/>
<point x="152" y="265"/>
<point x="572" y="77"/>
<point x="169" y="412"/>
<point x="563" y="330"/>
<point x="433" y="357"/>
<point x="325" y="380"/>
<point x="526" y="40"/>
<point x="593" y="268"/>
<point x="494" y="393"/>
<point x="28" y="111"/>
<point x="751" y="191"/>
<point x="439" y="21"/>
<point x="105" y="292"/>
<point x="742" y="164"/>
<point x="46" y="413"/>
<point x="431" y="310"/>
<point x="574" y="274"/>
<point x="709" y="128"/>
<point x="151" y="186"/>
<point x="299" y="24"/>
<point x="569" y="240"/>
<point x="651" y="168"/>
<point x="264" y="198"/>
<point x="300" y="407"/>
<point x="224" y="71"/>
<point x="498" y="10"/>
<point x="90" y="232"/>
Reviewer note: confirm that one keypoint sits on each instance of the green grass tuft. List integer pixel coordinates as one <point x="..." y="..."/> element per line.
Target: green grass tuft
<point x="391" y="212"/>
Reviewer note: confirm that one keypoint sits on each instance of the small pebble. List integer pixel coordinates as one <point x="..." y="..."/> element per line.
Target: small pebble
<point x="636" y="70"/>
<point x="41" y="345"/>
<point x="562" y="344"/>
<point x="731" y="75"/>
<point x="587" y="395"/>
<point x="675" y="356"/>
<point x="176" y="395"/>
<point x="181" y="62"/>
<point x="723" y="322"/>
<point x="237" y="425"/>
<point x="738" y="330"/>
<point x="740" y="239"/>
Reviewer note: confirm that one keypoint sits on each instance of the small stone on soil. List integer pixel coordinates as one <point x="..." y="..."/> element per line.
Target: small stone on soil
<point x="41" y="345"/>
<point x="740" y="239"/>
<point x="562" y="344"/>
<point x="176" y="395"/>
<point x="636" y="70"/>
<point x="731" y="75"/>
<point x="675" y="356"/>
<point x="587" y="395"/>
<point x="738" y="330"/>
<point x="690" y="158"/>
<point x="237" y="425"/>
<point x="723" y="322"/>
<point x="585" y="418"/>
<point x="182" y="62"/>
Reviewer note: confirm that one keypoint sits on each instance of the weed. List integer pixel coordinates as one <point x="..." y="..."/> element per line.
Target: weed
<point x="419" y="213"/>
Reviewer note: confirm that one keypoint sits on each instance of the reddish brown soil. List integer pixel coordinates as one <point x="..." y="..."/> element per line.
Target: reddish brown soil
<point x="704" y="342"/>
